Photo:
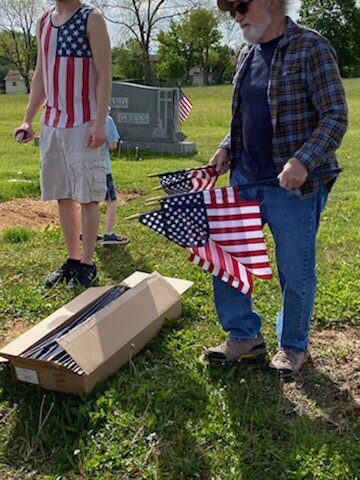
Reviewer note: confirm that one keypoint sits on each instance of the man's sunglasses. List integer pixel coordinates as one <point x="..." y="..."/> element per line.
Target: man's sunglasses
<point x="241" y="8"/>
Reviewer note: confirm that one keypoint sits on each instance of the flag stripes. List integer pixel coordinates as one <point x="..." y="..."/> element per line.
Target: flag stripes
<point x="203" y="178"/>
<point x="235" y="227"/>
<point x="189" y="180"/>
<point x="185" y="106"/>
<point x="69" y="71"/>
<point x="222" y="233"/>
<point x="213" y="259"/>
<point x="231" y="220"/>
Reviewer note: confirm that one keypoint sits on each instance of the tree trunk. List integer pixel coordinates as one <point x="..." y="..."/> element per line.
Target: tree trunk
<point x="206" y="68"/>
<point x="147" y="66"/>
<point x="206" y="75"/>
<point x="27" y="83"/>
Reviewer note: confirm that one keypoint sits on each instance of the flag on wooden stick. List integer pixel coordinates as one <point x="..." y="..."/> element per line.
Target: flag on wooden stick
<point x="189" y="180"/>
<point x="185" y="106"/>
<point x="223" y="234"/>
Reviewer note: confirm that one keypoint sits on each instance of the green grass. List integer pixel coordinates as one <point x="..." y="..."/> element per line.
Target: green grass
<point x="167" y="416"/>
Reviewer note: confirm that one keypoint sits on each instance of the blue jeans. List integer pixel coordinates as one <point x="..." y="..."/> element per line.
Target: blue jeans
<point x="293" y="222"/>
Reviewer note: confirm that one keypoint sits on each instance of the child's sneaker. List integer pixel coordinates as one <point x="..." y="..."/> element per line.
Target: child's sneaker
<point x="85" y="276"/>
<point x="113" y="239"/>
<point x="65" y="272"/>
<point x="98" y="238"/>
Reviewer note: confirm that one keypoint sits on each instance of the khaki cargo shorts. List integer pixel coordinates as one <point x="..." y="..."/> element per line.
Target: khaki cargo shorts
<point x="69" y="169"/>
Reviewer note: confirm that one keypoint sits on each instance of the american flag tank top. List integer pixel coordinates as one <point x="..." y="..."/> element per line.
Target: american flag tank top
<point x="69" y="74"/>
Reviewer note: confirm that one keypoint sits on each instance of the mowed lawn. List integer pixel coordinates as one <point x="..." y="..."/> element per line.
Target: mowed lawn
<point x="168" y="416"/>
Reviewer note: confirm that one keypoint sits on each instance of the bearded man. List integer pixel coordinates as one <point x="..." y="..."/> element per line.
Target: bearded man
<point x="289" y="115"/>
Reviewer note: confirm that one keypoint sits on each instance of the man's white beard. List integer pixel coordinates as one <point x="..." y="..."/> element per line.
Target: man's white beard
<point x="253" y="34"/>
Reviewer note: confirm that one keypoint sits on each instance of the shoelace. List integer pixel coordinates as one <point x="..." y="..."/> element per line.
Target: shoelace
<point x="286" y="356"/>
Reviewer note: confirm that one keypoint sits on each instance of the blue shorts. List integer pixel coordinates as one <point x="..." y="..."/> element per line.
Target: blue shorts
<point x="110" y="193"/>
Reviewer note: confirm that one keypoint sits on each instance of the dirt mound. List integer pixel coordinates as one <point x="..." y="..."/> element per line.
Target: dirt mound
<point x="34" y="213"/>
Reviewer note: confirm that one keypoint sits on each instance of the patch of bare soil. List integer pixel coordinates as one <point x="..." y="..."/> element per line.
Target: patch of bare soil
<point x="19" y="327"/>
<point x="329" y="387"/>
<point x="34" y="213"/>
<point x="338" y="353"/>
<point x="28" y="213"/>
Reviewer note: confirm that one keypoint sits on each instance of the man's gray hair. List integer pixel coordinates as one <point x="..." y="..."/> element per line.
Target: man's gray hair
<point x="287" y="5"/>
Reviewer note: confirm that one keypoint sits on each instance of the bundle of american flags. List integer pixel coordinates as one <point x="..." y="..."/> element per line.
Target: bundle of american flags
<point x="188" y="180"/>
<point x="222" y="233"/>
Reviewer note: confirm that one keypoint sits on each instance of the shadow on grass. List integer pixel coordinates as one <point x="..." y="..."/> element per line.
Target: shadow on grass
<point x="116" y="262"/>
<point x="288" y="431"/>
<point x="162" y="416"/>
<point x="140" y="423"/>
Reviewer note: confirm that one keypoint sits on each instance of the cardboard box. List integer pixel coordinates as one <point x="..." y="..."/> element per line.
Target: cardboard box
<point x="105" y="341"/>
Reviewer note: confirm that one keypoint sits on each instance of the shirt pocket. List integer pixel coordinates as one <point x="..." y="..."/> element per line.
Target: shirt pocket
<point x="289" y="70"/>
<point x="292" y="83"/>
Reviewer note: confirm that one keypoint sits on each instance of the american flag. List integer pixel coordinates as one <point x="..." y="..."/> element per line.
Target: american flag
<point x="223" y="234"/>
<point x="185" y="106"/>
<point x="189" y="180"/>
<point x="69" y="74"/>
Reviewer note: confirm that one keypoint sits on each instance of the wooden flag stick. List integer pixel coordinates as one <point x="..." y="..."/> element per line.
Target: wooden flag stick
<point x="132" y="217"/>
<point x="159" y="187"/>
<point x="153" y="199"/>
<point x="155" y="174"/>
<point x="153" y="202"/>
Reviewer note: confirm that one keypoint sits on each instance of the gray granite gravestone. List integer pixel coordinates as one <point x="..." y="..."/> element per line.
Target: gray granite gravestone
<point x="148" y="117"/>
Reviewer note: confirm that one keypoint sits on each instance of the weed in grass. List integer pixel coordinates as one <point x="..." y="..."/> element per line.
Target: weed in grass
<point x="16" y="235"/>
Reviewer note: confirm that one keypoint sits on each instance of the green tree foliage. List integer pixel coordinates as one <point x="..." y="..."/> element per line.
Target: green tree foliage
<point x="222" y="63"/>
<point x="204" y="33"/>
<point x="173" y="66"/>
<point x="17" y="41"/>
<point x="128" y="61"/>
<point x="175" y="43"/>
<point x="5" y="66"/>
<point x="142" y="20"/>
<point x="339" y="22"/>
<point x="194" y="39"/>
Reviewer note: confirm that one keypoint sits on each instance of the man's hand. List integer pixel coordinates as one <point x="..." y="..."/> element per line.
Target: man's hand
<point x="24" y="133"/>
<point x="220" y="160"/>
<point x="96" y="136"/>
<point x="293" y="174"/>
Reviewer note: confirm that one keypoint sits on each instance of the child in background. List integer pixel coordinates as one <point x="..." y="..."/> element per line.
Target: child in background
<point x="111" y="238"/>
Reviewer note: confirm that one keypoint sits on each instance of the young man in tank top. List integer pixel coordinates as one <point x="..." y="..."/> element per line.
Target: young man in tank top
<point x="72" y="82"/>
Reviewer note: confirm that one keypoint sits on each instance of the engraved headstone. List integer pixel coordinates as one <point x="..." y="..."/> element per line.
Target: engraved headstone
<point x="148" y="117"/>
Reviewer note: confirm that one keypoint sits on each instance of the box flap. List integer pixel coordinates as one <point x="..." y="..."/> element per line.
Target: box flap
<point x="102" y="335"/>
<point x="179" y="284"/>
<point x="52" y="322"/>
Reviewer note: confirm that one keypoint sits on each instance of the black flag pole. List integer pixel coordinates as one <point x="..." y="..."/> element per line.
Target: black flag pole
<point x="271" y="182"/>
<point x="274" y="182"/>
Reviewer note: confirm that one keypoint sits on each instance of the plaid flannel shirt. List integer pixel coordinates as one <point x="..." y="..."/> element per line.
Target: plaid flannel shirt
<point x="306" y="101"/>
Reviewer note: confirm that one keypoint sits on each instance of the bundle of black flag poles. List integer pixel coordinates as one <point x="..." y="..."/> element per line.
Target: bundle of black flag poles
<point x="50" y="350"/>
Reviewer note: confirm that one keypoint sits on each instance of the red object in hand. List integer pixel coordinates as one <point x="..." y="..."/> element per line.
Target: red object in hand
<point x="21" y="134"/>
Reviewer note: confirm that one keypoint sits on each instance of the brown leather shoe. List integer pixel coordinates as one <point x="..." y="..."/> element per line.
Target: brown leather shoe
<point x="233" y="351"/>
<point x="288" y="362"/>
